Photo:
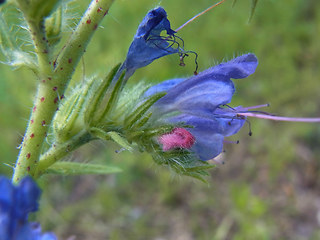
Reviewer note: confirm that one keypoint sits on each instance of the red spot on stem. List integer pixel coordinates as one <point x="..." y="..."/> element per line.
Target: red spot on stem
<point x="28" y="155"/>
<point x="95" y="26"/>
<point x="106" y="12"/>
<point x="42" y="99"/>
<point x="34" y="109"/>
<point x="43" y="123"/>
<point x="31" y="121"/>
<point x="32" y="135"/>
<point x="56" y="100"/>
<point x="54" y="88"/>
<point x="99" y="9"/>
<point x="28" y="168"/>
<point x="88" y="21"/>
<point x="49" y="78"/>
<point x="70" y="60"/>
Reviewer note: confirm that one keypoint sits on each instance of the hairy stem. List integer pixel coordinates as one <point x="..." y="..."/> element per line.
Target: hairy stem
<point x="43" y="108"/>
<point x="57" y="152"/>
<point x="54" y="77"/>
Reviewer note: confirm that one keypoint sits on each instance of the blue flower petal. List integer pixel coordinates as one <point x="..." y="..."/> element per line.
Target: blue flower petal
<point x="199" y="94"/>
<point x="147" y="44"/>
<point x="26" y="198"/>
<point x="239" y="67"/>
<point x="6" y="187"/>
<point x="163" y="87"/>
<point x="204" y="92"/>
<point x="208" y="146"/>
<point x="209" y="132"/>
<point x="16" y="202"/>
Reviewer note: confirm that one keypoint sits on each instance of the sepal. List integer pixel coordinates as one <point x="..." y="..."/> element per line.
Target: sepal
<point x="137" y="117"/>
<point x="96" y="104"/>
<point x="114" y="136"/>
<point x="183" y="162"/>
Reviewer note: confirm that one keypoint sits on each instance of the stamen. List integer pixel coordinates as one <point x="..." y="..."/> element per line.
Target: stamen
<point x="182" y="53"/>
<point x="278" y="118"/>
<point x="120" y="150"/>
<point x="231" y="142"/>
<point x="255" y="107"/>
<point x="249" y="125"/>
<point x="198" y="15"/>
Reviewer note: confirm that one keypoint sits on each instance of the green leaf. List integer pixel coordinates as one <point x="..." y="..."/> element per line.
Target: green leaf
<point x="234" y="3"/>
<point x="11" y="41"/>
<point x="253" y="8"/>
<point x="75" y="168"/>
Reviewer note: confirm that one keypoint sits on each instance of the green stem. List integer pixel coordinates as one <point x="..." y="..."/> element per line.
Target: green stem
<point x="57" y="152"/>
<point x="43" y="109"/>
<point x="75" y="47"/>
<point x="53" y="83"/>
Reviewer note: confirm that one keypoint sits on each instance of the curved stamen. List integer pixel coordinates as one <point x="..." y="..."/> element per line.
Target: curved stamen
<point x="279" y="118"/>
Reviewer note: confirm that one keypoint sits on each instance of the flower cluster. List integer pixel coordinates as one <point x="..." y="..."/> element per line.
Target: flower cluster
<point x="16" y="202"/>
<point x="181" y="122"/>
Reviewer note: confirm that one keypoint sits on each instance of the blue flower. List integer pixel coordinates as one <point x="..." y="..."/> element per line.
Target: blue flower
<point x="200" y="100"/>
<point x="148" y="45"/>
<point x="16" y="202"/>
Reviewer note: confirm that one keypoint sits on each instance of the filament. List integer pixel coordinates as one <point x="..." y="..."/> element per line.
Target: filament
<point x="279" y="118"/>
<point x="198" y="15"/>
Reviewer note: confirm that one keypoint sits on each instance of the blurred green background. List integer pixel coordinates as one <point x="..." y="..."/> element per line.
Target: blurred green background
<point x="269" y="187"/>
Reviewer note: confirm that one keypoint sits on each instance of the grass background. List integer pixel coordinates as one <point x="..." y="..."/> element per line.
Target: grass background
<point x="269" y="187"/>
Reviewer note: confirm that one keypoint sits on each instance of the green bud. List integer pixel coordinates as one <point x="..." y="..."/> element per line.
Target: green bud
<point x="53" y="27"/>
<point x="67" y="122"/>
<point x="37" y="9"/>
